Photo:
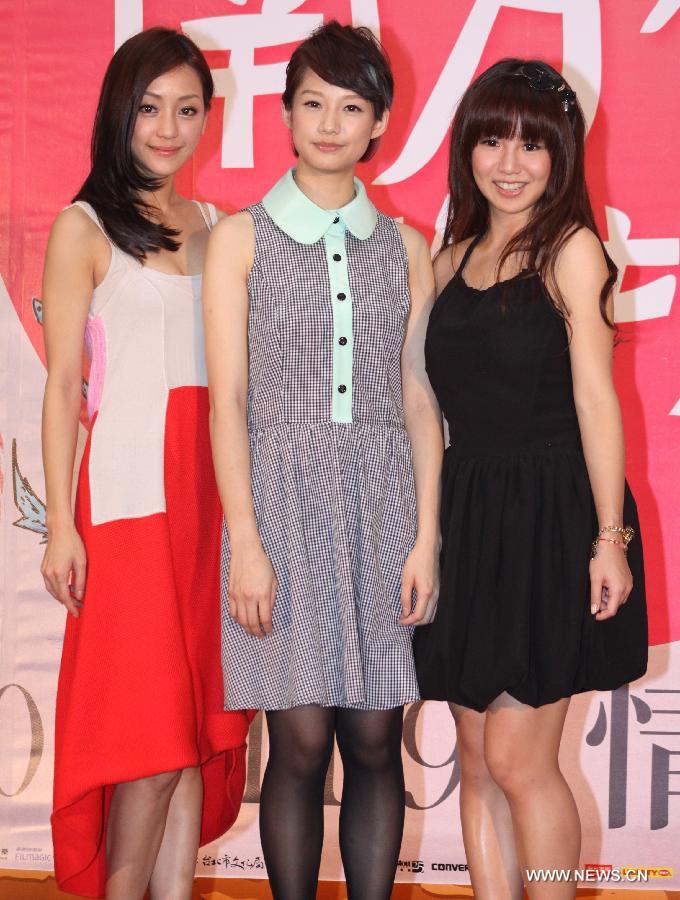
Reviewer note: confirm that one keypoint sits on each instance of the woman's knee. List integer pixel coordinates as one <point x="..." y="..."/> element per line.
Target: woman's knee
<point x="514" y="771"/>
<point x="305" y="752"/>
<point x="473" y="768"/>
<point x="370" y="745"/>
<point x="163" y="781"/>
<point x="521" y="745"/>
<point x="369" y="755"/>
<point x="190" y="779"/>
<point x="155" y="786"/>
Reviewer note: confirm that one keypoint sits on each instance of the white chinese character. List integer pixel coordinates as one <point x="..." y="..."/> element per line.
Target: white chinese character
<point x="652" y="300"/>
<point x="660" y="15"/>
<point x="582" y="56"/>
<point x="128" y="20"/>
<point x="244" y="80"/>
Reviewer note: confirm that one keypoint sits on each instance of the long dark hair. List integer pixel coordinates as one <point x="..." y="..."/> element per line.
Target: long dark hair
<point x="116" y="177"/>
<point x="531" y="100"/>
<point x="348" y="57"/>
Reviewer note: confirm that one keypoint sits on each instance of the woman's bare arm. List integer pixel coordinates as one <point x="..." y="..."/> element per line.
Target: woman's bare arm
<point x="424" y="425"/>
<point x="74" y="249"/>
<point x="581" y="273"/>
<point x="252" y="583"/>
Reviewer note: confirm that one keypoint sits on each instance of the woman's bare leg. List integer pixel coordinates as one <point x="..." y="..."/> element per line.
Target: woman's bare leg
<point x="135" y="830"/>
<point x="521" y="746"/>
<point x="173" y="874"/>
<point x="485" y="815"/>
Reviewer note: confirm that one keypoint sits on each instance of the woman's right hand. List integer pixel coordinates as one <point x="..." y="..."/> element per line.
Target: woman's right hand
<point x="64" y="568"/>
<point x="252" y="590"/>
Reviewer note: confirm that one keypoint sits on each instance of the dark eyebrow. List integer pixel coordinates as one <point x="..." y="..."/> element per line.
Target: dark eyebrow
<point x="320" y="94"/>
<point x="184" y="97"/>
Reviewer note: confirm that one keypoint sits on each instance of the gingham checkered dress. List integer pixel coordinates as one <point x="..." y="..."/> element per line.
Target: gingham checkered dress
<point x="334" y="501"/>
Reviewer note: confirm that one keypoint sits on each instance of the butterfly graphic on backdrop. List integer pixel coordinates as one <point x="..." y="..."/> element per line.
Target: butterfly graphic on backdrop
<point x="31" y="507"/>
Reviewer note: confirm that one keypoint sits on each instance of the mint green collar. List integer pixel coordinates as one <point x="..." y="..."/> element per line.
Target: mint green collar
<point x="306" y="222"/>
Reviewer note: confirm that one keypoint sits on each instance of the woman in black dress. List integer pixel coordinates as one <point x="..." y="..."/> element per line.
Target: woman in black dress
<point x="519" y="352"/>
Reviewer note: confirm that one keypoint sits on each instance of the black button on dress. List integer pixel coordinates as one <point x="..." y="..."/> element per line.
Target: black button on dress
<point x="518" y="516"/>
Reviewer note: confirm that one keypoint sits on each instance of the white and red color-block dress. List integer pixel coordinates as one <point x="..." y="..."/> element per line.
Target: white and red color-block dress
<point x="140" y="686"/>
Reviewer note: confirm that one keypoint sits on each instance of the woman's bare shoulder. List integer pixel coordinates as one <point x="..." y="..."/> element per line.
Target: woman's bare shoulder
<point x="73" y="223"/>
<point x="238" y="226"/>
<point x="232" y="242"/>
<point x="76" y="239"/>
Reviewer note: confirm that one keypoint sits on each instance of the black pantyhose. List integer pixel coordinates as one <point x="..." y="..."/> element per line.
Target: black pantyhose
<point x="372" y="811"/>
<point x="291" y="802"/>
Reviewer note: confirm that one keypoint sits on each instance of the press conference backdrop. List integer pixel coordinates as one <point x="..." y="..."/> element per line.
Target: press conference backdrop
<point x="621" y="751"/>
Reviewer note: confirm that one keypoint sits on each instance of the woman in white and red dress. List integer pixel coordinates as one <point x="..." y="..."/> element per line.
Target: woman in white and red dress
<point x="147" y="763"/>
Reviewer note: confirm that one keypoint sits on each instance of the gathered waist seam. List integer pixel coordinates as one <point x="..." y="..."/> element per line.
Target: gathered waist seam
<point x="528" y="448"/>
<point x="328" y="426"/>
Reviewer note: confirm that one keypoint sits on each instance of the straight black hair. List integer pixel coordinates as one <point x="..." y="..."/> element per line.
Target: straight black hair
<point x="116" y="178"/>
<point x="348" y="57"/>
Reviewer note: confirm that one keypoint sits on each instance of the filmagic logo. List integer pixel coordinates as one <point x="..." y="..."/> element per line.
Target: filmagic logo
<point x="33" y="855"/>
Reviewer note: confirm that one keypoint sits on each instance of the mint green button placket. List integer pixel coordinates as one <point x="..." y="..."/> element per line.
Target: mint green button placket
<point x="341" y="300"/>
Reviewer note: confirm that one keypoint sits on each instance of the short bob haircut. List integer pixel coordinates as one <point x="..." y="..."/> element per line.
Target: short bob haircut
<point x="351" y="58"/>
<point x="116" y="177"/>
<point x="530" y="100"/>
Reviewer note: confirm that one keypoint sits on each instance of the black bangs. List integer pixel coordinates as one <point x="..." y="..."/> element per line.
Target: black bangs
<point x="351" y="58"/>
<point x="508" y="107"/>
<point x="348" y="57"/>
<point x="358" y="76"/>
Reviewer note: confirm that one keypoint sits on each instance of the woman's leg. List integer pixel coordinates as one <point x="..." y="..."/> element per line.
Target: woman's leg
<point x="291" y="802"/>
<point x="173" y="873"/>
<point x="485" y="816"/>
<point x="372" y="810"/>
<point x="135" y="830"/>
<point x="521" y="746"/>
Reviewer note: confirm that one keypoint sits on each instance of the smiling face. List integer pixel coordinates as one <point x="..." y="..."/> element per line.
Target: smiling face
<point x="170" y="121"/>
<point x="331" y="126"/>
<point x="511" y="173"/>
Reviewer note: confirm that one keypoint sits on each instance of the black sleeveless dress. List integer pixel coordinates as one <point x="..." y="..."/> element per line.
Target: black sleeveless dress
<point x="518" y="516"/>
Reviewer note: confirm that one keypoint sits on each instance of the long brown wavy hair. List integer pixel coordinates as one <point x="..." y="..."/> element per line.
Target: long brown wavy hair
<point x="504" y="102"/>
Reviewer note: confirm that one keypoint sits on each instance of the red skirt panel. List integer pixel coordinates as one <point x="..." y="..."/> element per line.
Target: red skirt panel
<point x="140" y="685"/>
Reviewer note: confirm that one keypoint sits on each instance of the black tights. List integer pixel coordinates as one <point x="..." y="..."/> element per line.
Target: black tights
<point x="372" y="809"/>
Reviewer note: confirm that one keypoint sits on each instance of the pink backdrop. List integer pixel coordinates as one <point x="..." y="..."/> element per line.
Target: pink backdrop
<point x="622" y="58"/>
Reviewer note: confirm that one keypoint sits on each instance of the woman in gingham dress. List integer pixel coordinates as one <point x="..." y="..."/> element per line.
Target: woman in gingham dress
<point x="316" y="306"/>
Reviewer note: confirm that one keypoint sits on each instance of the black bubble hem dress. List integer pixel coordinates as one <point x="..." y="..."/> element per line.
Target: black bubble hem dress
<point x="517" y="514"/>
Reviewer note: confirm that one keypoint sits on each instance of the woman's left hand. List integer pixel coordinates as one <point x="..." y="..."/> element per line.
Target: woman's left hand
<point x="420" y="574"/>
<point x="610" y="581"/>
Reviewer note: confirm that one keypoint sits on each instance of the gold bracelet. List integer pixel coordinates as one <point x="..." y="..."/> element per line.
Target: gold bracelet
<point x="626" y="531"/>
<point x="593" y="548"/>
<point x="612" y="541"/>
